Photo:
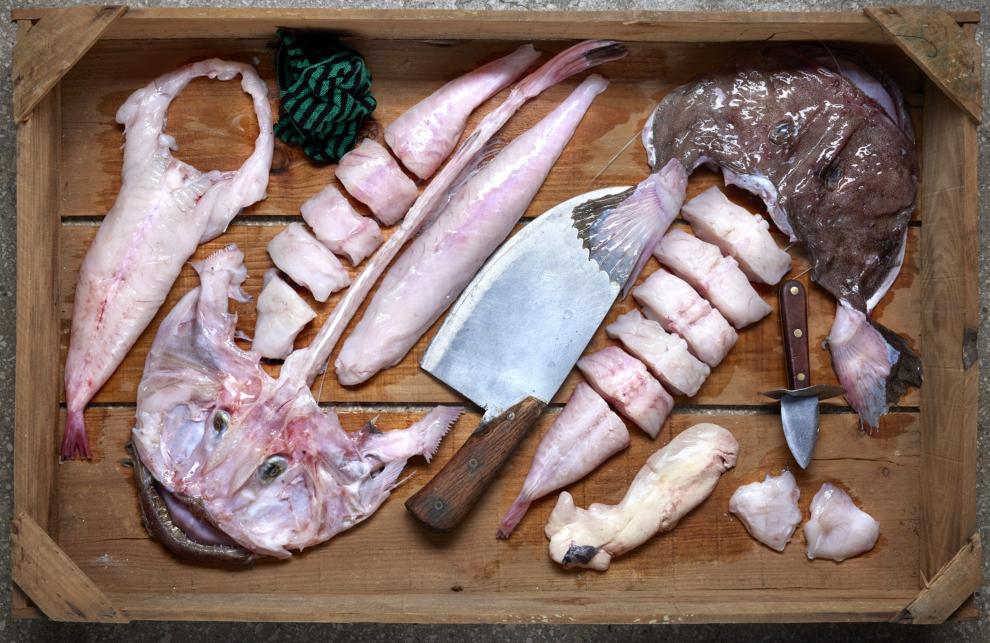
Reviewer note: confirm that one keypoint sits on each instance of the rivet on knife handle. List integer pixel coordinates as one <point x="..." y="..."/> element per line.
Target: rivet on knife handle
<point x="794" y="324"/>
<point x="445" y="501"/>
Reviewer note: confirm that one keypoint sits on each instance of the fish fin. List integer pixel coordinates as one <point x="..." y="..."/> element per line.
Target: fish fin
<point x="512" y="518"/>
<point x="375" y="490"/>
<point x="75" y="441"/>
<point x="440" y="421"/>
<point x="578" y="58"/>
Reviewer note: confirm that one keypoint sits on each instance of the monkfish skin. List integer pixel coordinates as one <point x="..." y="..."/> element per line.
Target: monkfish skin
<point x="164" y="210"/>
<point x="838" y="529"/>
<point x="769" y="509"/>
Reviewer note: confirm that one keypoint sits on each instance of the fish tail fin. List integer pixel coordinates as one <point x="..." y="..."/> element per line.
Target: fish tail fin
<point x="512" y="518"/>
<point x="873" y="364"/>
<point x="578" y="58"/>
<point x="375" y="490"/>
<point x="74" y="441"/>
<point x="436" y="425"/>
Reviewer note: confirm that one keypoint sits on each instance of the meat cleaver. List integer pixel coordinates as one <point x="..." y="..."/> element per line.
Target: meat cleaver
<point x="799" y="402"/>
<point x="510" y="340"/>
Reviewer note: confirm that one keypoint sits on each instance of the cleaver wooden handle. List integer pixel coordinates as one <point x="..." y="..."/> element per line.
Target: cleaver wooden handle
<point x="794" y="325"/>
<point x="445" y="501"/>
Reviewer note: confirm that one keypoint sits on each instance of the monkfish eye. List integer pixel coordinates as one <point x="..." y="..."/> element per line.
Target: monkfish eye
<point x="833" y="178"/>
<point x="272" y="468"/>
<point x="221" y="421"/>
<point x="782" y="132"/>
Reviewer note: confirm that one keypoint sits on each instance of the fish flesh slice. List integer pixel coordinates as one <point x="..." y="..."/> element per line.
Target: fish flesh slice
<point x="838" y="529"/>
<point x="672" y="303"/>
<point x="425" y="134"/>
<point x="584" y="435"/>
<point x="625" y="383"/>
<point x="372" y="176"/>
<point x="674" y="480"/>
<point x="164" y="210"/>
<point x="717" y="278"/>
<point x="257" y="458"/>
<point x="339" y="227"/>
<point x="769" y="509"/>
<point x="308" y="262"/>
<point x="282" y="313"/>
<point x="666" y="355"/>
<point x="436" y="267"/>
<point x="739" y="234"/>
<point x="823" y="136"/>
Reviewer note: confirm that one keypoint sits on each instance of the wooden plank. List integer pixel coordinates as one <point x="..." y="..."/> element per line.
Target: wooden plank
<point x="949" y="322"/>
<point x="22" y="606"/>
<point x="52" y="580"/>
<point x="953" y="584"/>
<point x="42" y="56"/>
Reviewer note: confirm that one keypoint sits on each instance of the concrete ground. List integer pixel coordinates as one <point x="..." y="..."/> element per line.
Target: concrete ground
<point x="40" y="630"/>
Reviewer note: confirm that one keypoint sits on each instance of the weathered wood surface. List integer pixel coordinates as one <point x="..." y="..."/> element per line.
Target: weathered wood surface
<point x="953" y="584"/>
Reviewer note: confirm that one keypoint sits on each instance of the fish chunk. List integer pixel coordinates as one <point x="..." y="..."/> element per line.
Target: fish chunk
<point x="671" y="302"/>
<point x="164" y="211"/>
<point x="282" y="313"/>
<point x="436" y="267"/>
<point x="666" y="355"/>
<point x="372" y="176"/>
<point x="298" y="254"/>
<point x="585" y="434"/>
<point x="717" y="278"/>
<point x="625" y="383"/>
<point x="425" y="134"/>
<point x="769" y="509"/>
<point x="838" y="529"/>
<point x="674" y="480"/>
<point x="339" y="227"/>
<point x="739" y="234"/>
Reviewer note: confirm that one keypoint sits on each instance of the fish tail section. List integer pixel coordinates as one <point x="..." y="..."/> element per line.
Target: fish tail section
<point x="512" y="518"/>
<point x="74" y="441"/>
<point x="575" y="60"/>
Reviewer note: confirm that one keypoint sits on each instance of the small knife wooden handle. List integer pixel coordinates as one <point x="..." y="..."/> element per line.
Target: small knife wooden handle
<point x="794" y="324"/>
<point x="445" y="501"/>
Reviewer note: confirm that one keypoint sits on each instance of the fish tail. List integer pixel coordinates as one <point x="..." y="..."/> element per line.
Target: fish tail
<point x="74" y="441"/>
<point x="512" y="518"/>
<point x="578" y="58"/>
<point x="438" y="423"/>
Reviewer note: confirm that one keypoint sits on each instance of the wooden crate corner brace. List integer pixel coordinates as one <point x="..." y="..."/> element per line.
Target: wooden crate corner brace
<point x="950" y="587"/>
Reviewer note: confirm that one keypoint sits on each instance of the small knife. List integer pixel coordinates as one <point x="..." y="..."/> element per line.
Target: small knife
<point x="799" y="402"/>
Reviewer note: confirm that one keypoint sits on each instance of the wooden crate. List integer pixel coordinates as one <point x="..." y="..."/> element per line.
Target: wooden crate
<point x="79" y="549"/>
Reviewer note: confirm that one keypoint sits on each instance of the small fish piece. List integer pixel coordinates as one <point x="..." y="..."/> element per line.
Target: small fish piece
<point x="678" y="308"/>
<point x="717" y="278"/>
<point x="339" y="227"/>
<point x="436" y="267"/>
<point x="838" y="529"/>
<point x="769" y="509"/>
<point x="425" y="134"/>
<point x="666" y="355"/>
<point x="739" y="234"/>
<point x="372" y="176"/>
<point x="674" y="480"/>
<point x="308" y="262"/>
<point x="282" y="313"/>
<point x="584" y="435"/>
<point x="625" y="383"/>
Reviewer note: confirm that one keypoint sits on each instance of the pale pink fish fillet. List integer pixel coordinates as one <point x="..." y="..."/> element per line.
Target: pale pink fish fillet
<point x="308" y="262"/>
<point x="164" y="210"/>
<point x="769" y="509"/>
<point x="339" y="227"/>
<point x="576" y="59"/>
<point x="282" y="313"/>
<point x="739" y="234"/>
<point x="425" y="134"/>
<point x="674" y="480"/>
<point x="625" y="383"/>
<point x="838" y="529"/>
<point x="585" y="434"/>
<point x="671" y="302"/>
<point x="666" y="355"/>
<point x="372" y="176"/>
<point x="717" y="278"/>
<point x="436" y="267"/>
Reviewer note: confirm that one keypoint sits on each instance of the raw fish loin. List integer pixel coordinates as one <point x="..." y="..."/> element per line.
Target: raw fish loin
<point x="372" y="176"/>
<point x="298" y="254"/>
<point x="282" y="313"/>
<point x="666" y="355"/>
<point x="257" y="457"/>
<point x="425" y="134"/>
<point x="675" y="480"/>
<point x="625" y="383"/>
<point x="164" y="210"/>
<point x="436" y="267"/>
<point x="824" y="138"/>
<point x="717" y="278"/>
<point x="672" y="303"/>
<point x="838" y="529"/>
<point x="769" y="509"/>
<point x="339" y="227"/>
<point x="739" y="234"/>
<point x="585" y="434"/>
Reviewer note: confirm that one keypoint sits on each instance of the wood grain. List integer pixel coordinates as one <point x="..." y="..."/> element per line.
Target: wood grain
<point x="953" y="584"/>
